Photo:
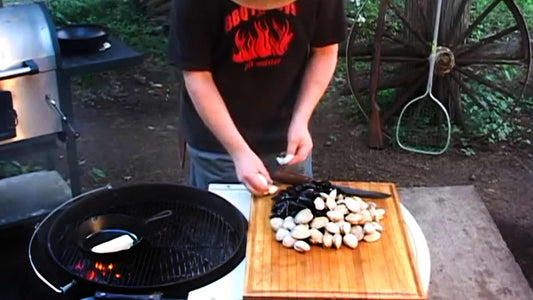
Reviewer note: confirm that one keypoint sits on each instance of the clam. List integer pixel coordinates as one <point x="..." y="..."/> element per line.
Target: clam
<point x="327" y="240"/>
<point x="316" y="236"/>
<point x="352" y="204"/>
<point x="350" y="240"/>
<point x="276" y="223"/>
<point x="363" y="204"/>
<point x="281" y="234"/>
<point x="337" y="240"/>
<point x="354" y="218"/>
<point x="288" y="241"/>
<point x="342" y="209"/>
<point x="301" y="232"/>
<point x="301" y="246"/>
<point x="303" y="217"/>
<point x="366" y="217"/>
<point x="331" y="203"/>
<point x="333" y="228"/>
<point x="372" y="237"/>
<point x="319" y="222"/>
<point x="335" y="216"/>
<point x="344" y="227"/>
<point x="319" y="203"/>
<point x="288" y="223"/>
<point x="379" y="213"/>
<point x="358" y="231"/>
<point x="379" y="227"/>
<point x="369" y="228"/>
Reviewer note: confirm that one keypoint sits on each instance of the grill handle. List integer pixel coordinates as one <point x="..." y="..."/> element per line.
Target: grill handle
<point x="65" y="288"/>
<point x="105" y="295"/>
<point x="28" y="67"/>
<point x="64" y="118"/>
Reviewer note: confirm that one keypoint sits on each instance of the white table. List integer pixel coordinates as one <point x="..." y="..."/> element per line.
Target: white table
<point x="231" y="286"/>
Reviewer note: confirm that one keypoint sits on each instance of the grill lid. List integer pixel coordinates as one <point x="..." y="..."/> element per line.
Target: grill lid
<point x="27" y="33"/>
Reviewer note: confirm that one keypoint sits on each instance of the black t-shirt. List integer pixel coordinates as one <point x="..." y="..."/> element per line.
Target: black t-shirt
<point x="257" y="58"/>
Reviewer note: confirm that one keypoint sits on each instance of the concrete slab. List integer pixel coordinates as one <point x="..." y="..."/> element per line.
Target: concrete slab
<point x="30" y="195"/>
<point x="469" y="259"/>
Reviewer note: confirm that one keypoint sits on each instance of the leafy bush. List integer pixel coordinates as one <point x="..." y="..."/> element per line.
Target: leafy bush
<point x="122" y="17"/>
<point x="13" y="168"/>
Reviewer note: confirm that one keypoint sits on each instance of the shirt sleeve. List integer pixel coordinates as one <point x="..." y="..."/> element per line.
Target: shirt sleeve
<point x="190" y="35"/>
<point x="331" y="25"/>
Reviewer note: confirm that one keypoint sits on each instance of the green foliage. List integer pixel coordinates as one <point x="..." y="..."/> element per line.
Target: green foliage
<point x="122" y="17"/>
<point x="14" y="168"/>
<point x="365" y="14"/>
<point x="97" y="174"/>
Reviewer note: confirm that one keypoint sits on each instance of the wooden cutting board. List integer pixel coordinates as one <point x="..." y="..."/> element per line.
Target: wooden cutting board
<point x="385" y="269"/>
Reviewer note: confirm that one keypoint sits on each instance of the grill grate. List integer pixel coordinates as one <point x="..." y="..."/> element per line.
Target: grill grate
<point x="187" y="244"/>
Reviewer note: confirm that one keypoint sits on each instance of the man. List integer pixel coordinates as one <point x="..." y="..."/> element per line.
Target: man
<point x="254" y="71"/>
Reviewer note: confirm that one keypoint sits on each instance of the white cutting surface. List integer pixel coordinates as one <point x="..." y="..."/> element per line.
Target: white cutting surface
<point x="231" y="286"/>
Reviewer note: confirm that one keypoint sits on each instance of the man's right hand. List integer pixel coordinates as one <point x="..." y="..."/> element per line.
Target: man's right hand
<point x="249" y="168"/>
<point x="213" y="111"/>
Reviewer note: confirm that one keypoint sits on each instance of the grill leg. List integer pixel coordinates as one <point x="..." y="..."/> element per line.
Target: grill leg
<point x="65" y="104"/>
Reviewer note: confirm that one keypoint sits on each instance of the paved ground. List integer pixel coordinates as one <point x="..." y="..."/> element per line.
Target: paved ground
<point x="469" y="259"/>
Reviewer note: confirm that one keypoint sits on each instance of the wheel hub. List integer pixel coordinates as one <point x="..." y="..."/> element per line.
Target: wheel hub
<point x="445" y="60"/>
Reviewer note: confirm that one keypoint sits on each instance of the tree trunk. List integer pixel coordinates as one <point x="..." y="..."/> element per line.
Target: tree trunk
<point x="454" y="20"/>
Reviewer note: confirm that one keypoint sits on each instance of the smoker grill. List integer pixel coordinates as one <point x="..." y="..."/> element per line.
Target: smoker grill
<point x="28" y="69"/>
<point x="35" y="84"/>
<point x="201" y="241"/>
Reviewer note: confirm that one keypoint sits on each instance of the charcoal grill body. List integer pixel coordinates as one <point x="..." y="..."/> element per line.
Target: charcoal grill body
<point x="203" y="240"/>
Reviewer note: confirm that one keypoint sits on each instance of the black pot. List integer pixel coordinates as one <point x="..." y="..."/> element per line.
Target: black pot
<point x="82" y="38"/>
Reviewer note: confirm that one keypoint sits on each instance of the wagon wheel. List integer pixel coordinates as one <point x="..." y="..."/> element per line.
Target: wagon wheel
<point x="483" y="65"/>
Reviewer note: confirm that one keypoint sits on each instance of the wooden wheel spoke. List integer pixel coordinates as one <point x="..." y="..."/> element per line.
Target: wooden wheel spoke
<point x="476" y="23"/>
<point x="408" y="25"/>
<point x="469" y="91"/>
<point x="389" y="48"/>
<point x="397" y="59"/>
<point x="403" y="42"/>
<point x="485" y="82"/>
<point x="472" y="47"/>
<point x="488" y="61"/>
<point x="400" y="79"/>
<point x="393" y="79"/>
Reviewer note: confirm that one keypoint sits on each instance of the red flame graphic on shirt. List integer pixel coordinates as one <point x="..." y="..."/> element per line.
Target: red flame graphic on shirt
<point x="262" y="42"/>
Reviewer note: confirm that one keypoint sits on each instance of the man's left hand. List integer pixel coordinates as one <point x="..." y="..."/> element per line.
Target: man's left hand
<point x="299" y="142"/>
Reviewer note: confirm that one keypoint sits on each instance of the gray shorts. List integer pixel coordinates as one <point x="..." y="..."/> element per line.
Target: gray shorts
<point x="208" y="167"/>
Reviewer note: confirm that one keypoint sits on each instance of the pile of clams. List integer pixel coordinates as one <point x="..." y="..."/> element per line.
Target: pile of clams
<point x="315" y="213"/>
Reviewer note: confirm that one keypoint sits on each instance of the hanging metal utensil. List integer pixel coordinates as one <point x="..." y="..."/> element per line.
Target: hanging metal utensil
<point x="424" y="126"/>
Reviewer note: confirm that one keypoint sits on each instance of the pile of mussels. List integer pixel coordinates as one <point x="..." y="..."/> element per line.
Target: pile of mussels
<point x="315" y="213"/>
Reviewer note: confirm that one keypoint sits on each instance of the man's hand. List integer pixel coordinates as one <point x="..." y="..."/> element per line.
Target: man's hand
<point x="316" y="78"/>
<point x="300" y="142"/>
<point x="249" y="168"/>
<point x="213" y="111"/>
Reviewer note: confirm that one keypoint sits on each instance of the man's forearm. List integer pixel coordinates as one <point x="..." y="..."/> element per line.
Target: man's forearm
<point x="211" y="108"/>
<point x="317" y="76"/>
